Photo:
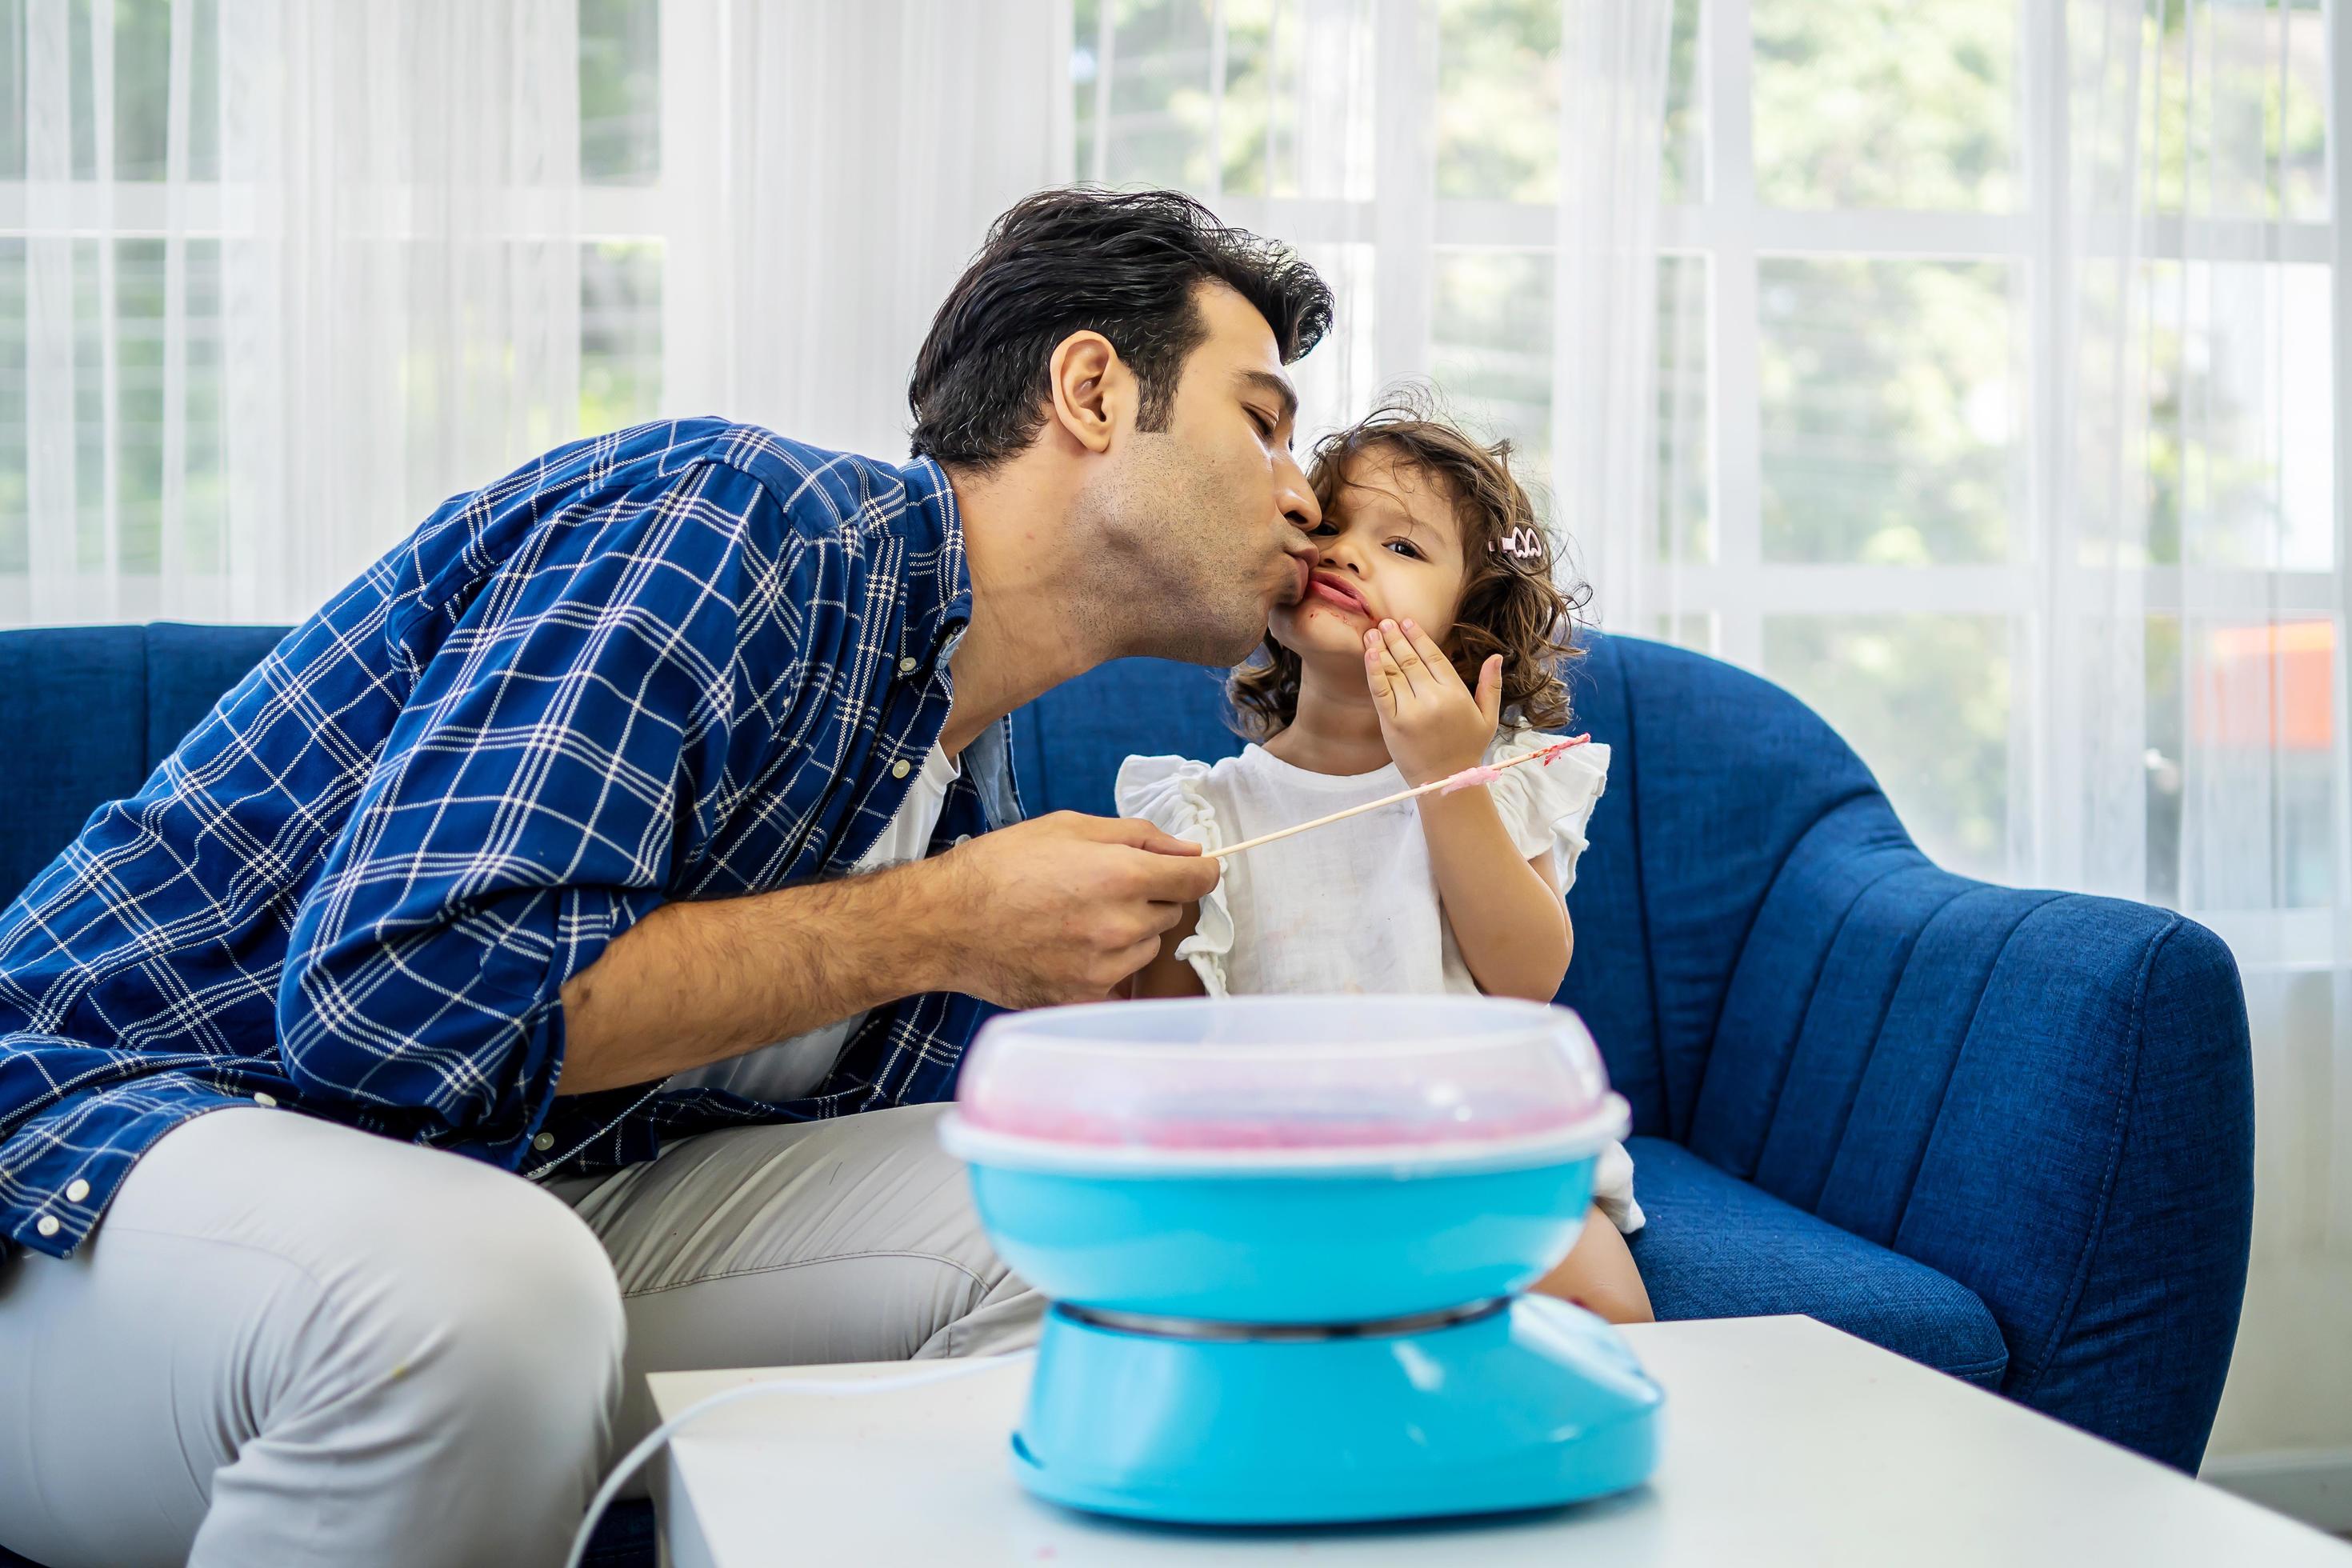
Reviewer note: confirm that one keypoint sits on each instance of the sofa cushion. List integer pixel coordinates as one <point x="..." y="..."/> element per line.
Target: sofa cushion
<point x="1067" y="744"/>
<point x="1717" y="1247"/>
<point x="73" y="706"/>
<point x="188" y="671"/>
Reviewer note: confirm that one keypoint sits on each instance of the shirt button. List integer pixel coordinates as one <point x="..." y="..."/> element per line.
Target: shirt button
<point x="544" y="1142"/>
<point x="76" y="1190"/>
<point x="908" y="666"/>
<point x="901" y="768"/>
<point x="47" y="1225"/>
<point x="266" y="1101"/>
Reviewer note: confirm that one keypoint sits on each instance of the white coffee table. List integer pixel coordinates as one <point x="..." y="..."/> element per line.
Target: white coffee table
<point x="1786" y="1441"/>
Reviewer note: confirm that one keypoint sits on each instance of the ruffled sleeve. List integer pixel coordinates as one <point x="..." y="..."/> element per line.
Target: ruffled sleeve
<point x="1174" y="794"/>
<point x="1545" y="805"/>
<point x="1613" y="1189"/>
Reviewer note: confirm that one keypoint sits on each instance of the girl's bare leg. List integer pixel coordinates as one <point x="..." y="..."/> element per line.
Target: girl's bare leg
<point x="1599" y="1275"/>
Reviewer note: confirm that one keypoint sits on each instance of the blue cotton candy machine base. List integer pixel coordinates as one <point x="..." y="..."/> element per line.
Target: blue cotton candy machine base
<point x="1528" y="1403"/>
<point x="1288" y="1241"/>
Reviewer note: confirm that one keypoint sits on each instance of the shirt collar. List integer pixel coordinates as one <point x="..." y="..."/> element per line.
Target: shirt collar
<point x="939" y="609"/>
<point x="938" y="580"/>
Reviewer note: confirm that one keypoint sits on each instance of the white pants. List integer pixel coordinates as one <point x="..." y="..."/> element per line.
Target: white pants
<point x="293" y="1343"/>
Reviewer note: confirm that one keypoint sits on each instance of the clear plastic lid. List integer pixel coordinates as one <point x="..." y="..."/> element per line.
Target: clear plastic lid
<point x="1283" y="1082"/>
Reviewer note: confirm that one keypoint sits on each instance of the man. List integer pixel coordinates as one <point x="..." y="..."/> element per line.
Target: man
<point x="625" y="829"/>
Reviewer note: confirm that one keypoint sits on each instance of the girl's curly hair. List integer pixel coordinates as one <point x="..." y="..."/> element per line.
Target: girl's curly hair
<point x="1511" y="604"/>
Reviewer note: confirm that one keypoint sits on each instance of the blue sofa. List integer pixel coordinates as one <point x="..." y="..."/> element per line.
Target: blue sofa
<point x="2008" y="1134"/>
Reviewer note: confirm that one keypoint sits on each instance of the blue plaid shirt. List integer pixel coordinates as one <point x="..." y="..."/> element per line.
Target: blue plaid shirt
<point x="680" y="662"/>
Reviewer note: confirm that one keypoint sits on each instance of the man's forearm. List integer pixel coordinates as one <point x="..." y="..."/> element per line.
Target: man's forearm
<point x="698" y="983"/>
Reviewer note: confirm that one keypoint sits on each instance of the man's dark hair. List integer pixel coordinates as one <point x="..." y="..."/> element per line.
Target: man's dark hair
<point x="1124" y="264"/>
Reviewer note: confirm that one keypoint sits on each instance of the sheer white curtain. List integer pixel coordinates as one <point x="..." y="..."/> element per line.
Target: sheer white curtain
<point x="856" y="156"/>
<point x="400" y="277"/>
<point x="275" y="310"/>
<point x="2182" y="706"/>
<point x="2222" y="595"/>
<point x="282" y="275"/>
<point x="1972" y="369"/>
<point x="1613" y="59"/>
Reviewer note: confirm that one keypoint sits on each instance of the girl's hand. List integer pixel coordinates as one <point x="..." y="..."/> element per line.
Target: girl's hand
<point x="1434" y="726"/>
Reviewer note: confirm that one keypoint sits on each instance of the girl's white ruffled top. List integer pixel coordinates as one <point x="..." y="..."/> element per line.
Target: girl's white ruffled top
<point x="1353" y="906"/>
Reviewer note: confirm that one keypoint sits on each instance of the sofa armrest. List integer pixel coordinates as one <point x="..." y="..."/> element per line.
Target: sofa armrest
<point x="2047" y="1097"/>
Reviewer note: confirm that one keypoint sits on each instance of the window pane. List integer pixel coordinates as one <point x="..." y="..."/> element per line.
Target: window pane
<point x="2254" y="783"/>
<point x="81" y="104"/>
<point x="620" y="92"/>
<point x="1490" y="348"/>
<point x="143" y="75"/>
<point x="1293" y="118"/>
<point x="2167" y="752"/>
<point x="1312" y="67"/>
<point x="2240" y="441"/>
<point x="1158" y="130"/>
<point x="203" y="91"/>
<point x="1685" y="522"/>
<point x="1337" y="383"/>
<point x="1887" y="103"/>
<point x="1085" y="70"/>
<point x="15" y="503"/>
<point x="2235" y="107"/>
<point x="1888" y="407"/>
<point x="139" y="280"/>
<point x="1872" y="678"/>
<point x="1695" y="630"/>
<point x="620" y="334"/>
<point x="12" y="90"/>
<point x="203" y="504"/>
<point x="1498" y="99"/>
<point x="1686" y="135"/>
<point x="89" y="405"/>
<point x="142" y="95"/>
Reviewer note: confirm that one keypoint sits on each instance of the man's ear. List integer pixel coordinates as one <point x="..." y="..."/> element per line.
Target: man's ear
<point x="1092" y="389"/>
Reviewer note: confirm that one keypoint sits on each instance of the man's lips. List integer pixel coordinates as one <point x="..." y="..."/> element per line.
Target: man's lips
<point x="1339" y="590"/>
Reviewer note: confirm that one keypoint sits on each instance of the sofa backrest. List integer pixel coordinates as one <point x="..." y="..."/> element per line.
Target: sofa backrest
<point x="89" y="711"/>
<point x="1714" y="777"/>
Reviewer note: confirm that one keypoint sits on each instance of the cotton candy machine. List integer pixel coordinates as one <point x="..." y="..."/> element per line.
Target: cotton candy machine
<point x="1287" y="1240"/>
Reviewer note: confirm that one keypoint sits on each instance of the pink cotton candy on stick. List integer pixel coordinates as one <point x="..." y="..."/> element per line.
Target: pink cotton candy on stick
<point x="1470" y="778"/>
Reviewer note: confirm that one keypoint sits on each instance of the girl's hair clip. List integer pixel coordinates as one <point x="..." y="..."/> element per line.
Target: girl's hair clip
<point x="1520" y="545"/>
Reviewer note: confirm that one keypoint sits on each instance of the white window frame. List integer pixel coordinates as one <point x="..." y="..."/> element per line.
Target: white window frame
<point x="1727" y="226"/>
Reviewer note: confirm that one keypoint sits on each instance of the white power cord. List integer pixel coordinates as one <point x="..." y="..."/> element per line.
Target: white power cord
<point x="835" y="1388"/>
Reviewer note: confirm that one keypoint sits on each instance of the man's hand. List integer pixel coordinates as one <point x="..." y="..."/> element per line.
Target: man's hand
<point x="1432" y="724"/>
<point x="1061" y="908"/>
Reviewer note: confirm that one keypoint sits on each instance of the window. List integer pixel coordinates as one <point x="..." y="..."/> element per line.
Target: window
<point x="113" y="287"/>
<point x="621" y="265"/>
<point x="1856" y="349"/>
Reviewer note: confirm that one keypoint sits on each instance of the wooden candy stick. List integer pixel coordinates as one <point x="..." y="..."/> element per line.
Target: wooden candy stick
<point x="1467" y="778"/>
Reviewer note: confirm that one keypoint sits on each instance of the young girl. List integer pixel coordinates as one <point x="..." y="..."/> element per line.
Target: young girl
<point x="1432" y="612"/>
